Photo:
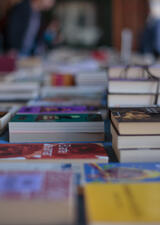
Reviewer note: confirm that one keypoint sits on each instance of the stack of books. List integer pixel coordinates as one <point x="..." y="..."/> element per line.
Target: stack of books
<point x="136" y="133"/>
<point x="56" y="128"/>
<point x="131" y="87"/>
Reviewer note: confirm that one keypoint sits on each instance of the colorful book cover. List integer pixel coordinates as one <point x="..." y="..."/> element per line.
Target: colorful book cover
<point x="122" y="203"/>
<point x="53" y="151"/>
<point x="29" y="185"/>
<point x="148" y="114"/>
<point x="22" y="118"/>
<point x="56" y="109"/>
<point x="122" y="172"/>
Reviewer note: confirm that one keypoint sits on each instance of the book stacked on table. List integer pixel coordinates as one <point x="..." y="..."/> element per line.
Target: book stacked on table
<point x="136" y="133"/>
<point x="94" y="78"/>
<point x="10" y="91"/>
<point x="62" y="152"/>
<point x="56" y="128"/>
<point x="131" y="87"/>
<point x="37" y="197"/>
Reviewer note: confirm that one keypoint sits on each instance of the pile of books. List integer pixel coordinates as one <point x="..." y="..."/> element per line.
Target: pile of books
<point x="132" y="86"/>
<point x="136" y="134"/>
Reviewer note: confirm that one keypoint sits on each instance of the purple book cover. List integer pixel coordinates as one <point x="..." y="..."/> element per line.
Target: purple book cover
<point x="56" y="109"/>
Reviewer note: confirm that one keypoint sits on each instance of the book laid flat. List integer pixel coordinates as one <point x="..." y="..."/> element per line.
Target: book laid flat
<point x="130" y="100"/>
<point x="56" y="127"/>
<point x="37" y="197"/>
<point x="134" y="141"/>
<point x="138" y="155"/>
<point x="68" y="101"/>
<point x="57" y="109"/>
<point x="65" y="153"/>
<point x="122" y="172"/>
<point x="124" y="85"/>
<point x="122" y="203"/>
<point x="136" y="121"/>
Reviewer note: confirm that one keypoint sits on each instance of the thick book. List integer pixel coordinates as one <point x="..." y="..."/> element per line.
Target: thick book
<point x="122" y="85"/>
<point x="134" y="141"/>
<point x="138" y="154"/>
<point x="89" y="152"/>
<point x="122" y="172"/>
<point x="130" y="100"/>
<point x="57" y="109"/>
<point x="122" y="203"/>
<point x="136" y="121"/>
<point x="35" y="197"/>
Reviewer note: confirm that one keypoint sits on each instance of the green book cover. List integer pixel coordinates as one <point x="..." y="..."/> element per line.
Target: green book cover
<point x="58" y="118"/>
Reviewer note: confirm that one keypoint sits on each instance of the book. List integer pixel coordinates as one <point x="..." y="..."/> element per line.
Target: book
<point x="37" y="197"/>
<point x="122" y="172"/>
<point x="63" y="152"/>
<point x="68" y="101"/>
<point x="57" y="109"/>
<point x="18" y="91"/>
<point x="43" y="166"/>
<point x="134" y="141"/>
<point x="5" y="116"/>
<point x="58" y="79"/>
<point x="130" y="100"/>
<point x="127" y="86"/>
<point x="138" y="154"/>
<point x="56" y="128"/>
<point x="49" y="91"/>
<point x="122" y="203"/>
<point x="92" y="78"/>
<point x="136" y="121"/>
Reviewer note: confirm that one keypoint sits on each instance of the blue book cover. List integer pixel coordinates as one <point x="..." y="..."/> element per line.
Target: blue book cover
<point x="122" y="172"/>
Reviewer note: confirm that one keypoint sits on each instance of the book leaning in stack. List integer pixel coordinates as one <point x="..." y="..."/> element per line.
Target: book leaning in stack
<point x="136" y="133"/>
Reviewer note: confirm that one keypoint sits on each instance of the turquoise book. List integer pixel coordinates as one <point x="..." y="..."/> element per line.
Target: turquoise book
<point x="57" y="118"/>
<point x="122" y="172"/>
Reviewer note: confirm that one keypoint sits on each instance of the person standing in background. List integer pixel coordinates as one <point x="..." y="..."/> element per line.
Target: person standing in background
<point x="150" y="42"/>
<point x="23" y="25"/>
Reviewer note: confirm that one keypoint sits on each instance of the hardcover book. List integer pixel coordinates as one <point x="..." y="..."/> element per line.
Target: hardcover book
<point x="122" y="203"/>
<point x="136" y="121"/>
<point x="36" y="197"/>
<point x="63" y="152"/>
<point x="122" y="172"/>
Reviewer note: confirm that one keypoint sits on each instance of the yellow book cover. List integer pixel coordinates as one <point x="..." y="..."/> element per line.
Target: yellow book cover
<point x="123" y="203"/>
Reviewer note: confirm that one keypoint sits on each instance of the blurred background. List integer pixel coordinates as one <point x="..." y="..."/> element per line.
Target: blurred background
<point x="34" y="26"/>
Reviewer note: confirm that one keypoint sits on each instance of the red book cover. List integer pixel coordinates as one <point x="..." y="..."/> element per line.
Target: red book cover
<point x="52" y="151"/>
<point x="49" y="185"/>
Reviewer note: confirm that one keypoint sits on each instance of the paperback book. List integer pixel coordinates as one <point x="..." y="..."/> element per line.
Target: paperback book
<point x="122" y="172"/>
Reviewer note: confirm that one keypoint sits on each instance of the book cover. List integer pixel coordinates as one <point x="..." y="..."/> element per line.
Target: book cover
<point x="122" y="172"/>
<point x="30" y="185"/>
<point x="53" y="151"/>
<point x="22" y="118"/>
<point x="122" y="203"/>
<point x="148" y="114"/>
<point x="2" y="114"/>
<point x="56" y="109"/>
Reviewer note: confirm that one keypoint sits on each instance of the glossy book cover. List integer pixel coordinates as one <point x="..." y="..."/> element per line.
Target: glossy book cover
<point x="22" y="118"/>
<point x="148" y="114"/>
<point x="52" y="151"/>
<point x="56" y="109"/>
<point x="122" y="172"/>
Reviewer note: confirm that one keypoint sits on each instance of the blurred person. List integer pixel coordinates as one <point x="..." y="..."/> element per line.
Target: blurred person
<point x="150" y="42"/>
<point x="23" y="25"/>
